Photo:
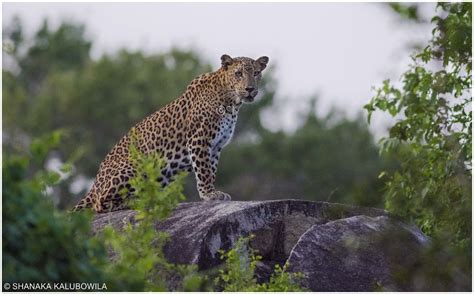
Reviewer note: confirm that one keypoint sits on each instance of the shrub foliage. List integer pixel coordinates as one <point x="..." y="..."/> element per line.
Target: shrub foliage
<point x="432" y="138"/>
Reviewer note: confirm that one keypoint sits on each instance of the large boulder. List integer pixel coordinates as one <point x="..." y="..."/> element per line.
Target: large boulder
<point x="358" y="253"/>
<point x="317" y="238"/>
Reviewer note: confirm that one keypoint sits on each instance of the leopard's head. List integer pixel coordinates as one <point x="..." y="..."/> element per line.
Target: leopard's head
<point x="243" y="75"/>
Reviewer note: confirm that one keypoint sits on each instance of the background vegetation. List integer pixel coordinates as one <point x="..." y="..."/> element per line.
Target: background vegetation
<point x="423" y="171"/>
<point x="57" y="85"/>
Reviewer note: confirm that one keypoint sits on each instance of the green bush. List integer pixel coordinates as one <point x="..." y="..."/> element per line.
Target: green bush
<point x="41" y="244"/>
<point x="137" y="248"/>
<point x="238" y="274"/>
<point x="432" y="138"/>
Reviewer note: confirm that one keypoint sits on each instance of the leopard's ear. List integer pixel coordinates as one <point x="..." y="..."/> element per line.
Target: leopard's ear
<point x="262" y="62"/>
<point x="226" y="60"/>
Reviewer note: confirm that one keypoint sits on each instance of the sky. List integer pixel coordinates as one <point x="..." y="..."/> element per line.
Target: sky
<point x="336" y="51"/>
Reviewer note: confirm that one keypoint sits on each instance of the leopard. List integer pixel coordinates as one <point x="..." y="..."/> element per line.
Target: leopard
<point x="189" y="132"/>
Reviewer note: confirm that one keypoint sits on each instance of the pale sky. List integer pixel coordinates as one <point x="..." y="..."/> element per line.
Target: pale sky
<point x="336" y="50"/>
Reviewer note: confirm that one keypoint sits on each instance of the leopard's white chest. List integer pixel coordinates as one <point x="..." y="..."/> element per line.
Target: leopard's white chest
<point x="225" y="131"/>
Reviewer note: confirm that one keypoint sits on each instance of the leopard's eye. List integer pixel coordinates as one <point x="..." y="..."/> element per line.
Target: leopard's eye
<point x="256" y="73"/>
<point x="238" y="74"/>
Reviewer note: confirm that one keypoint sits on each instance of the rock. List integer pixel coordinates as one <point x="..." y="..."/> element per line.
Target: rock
<point x="295" y="229"/>
<point x="359" y="253"/>
<point x="296" y="225"/>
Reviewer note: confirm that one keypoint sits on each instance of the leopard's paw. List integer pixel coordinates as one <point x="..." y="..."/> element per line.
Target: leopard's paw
<point x="216" y="195"/>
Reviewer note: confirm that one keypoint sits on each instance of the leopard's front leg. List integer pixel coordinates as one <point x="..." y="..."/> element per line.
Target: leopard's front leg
<point x="200" y="154"/>
<point x="215" y="154"/>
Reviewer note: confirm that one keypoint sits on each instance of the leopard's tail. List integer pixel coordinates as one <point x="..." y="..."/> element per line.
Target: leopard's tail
<point x="85" y="202"/>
